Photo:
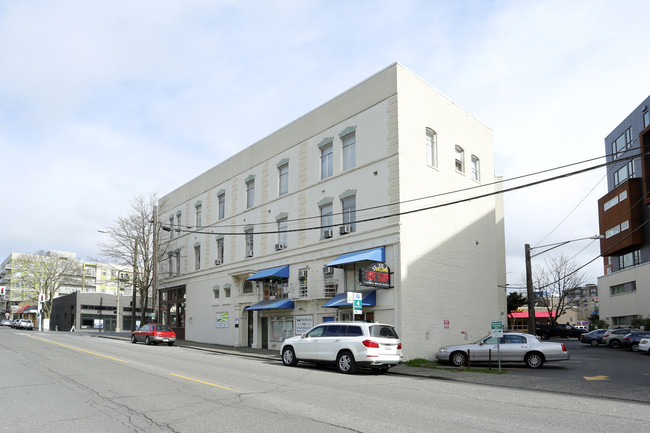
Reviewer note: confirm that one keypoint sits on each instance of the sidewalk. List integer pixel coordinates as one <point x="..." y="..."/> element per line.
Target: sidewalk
<point x="533" y="383"/>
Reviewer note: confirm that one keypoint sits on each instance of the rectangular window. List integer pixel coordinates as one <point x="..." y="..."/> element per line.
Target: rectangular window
<point x="281" y="328"/>
<point x="171" y="227"/>
<point x="349" y="206"/>
<point x="222" y="206"/>
<point x="198" y="215"/>
<point x="197" y="257"/>
<point x="178" y="263"/>
<point x="227" y="291"/>
<point x="622" y="143"/>
<point x="216" y="293"/>
<point x="624" y="173"/>
<point x="250" y="194"/>
<point x="630" y="259"/>
<point x="460" y="159"/>
<point x="326" y="221"/>
<point x="623" y="288"/>
<point x="432" y="148"/>
<point x="349" y="151"/>
<point x="610" y="203"/>
<point x="283" y="226"/>
<point x="220" y="250"/>
<point x="249" y="243"/>
<point x="302" y="282"/>
<point x="178" y="222"/>
<point x="284" y="179"/>
<point x="170" y="264"/>
<point x="476" y="168"/>
<point x="326" y="161"/>
<point x="613" y="231"/>
<point x="646" y="119"/>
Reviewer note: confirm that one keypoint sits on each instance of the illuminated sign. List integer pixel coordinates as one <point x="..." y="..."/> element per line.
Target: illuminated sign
<point x="377" y="275"/>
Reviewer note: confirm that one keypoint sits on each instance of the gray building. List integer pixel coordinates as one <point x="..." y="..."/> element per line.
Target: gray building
<point x="623" y="216"/>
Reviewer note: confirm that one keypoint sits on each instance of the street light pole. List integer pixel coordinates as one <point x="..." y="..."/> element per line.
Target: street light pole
<point x="529" y="276"/>
<point x="135" y="274"/>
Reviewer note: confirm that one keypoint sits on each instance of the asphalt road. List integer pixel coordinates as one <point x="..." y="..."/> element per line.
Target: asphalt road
<point x="61" y="382"/>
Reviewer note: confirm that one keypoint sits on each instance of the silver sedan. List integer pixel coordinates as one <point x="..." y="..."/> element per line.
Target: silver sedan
<point x="514" y="347"/>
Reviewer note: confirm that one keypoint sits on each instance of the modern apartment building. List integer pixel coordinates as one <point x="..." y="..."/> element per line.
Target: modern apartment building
<point x="387" y="191"/>
<point x="623" y="216"/>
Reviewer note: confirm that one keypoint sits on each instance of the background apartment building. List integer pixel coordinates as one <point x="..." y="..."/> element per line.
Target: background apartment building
<point x="623" y="216"/>
<point x="353" y="196"/>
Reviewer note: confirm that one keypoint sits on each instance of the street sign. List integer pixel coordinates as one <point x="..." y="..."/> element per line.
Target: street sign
<point x="497" y="329"/>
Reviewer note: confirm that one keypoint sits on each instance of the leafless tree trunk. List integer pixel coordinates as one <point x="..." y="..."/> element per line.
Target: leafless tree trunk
<point x="555" y="284"/>
<point x="137" y="231"/>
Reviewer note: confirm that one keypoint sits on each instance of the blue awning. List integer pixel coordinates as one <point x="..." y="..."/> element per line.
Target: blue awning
<point x="279" y="272"/>
<point x="278" y="304"/>
<point x="373" y="255"/>
<point x="341" y="300"/>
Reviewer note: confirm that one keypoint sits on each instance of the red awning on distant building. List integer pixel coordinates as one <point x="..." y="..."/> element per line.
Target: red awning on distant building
<point x="524" y="314"/>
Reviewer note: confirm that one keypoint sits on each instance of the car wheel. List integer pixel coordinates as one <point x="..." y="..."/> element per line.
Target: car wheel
<point x="594" y="343"/>
<point x="345" y="362"/>
<point x="133" y="340"/>
<point x="458" y="359"/>
<point x="534" y="360"/>
<point x="289" y="357"/>
<point x="615" y="344"/>
<point x="147" y="341"/>
<point x="635" y="347"/>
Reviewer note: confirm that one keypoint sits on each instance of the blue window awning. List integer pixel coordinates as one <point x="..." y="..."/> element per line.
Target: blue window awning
<point x="278" y="304"/>
<point x="373" y="255"/>
<point x="279" y="272"/>
<point x="368" y="299"/>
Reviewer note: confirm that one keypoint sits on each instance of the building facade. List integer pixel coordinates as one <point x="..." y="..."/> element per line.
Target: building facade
<point x="375" y="192"/>
<point x="623" y="216"/>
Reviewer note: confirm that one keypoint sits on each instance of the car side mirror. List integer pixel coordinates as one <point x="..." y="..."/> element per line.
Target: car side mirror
<point x="303" y="335"/>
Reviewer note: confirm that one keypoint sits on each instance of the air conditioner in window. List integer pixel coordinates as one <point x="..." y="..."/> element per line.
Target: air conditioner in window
<point x="302" y="273"/>
<point x="217" y="262"/>
<point x="328" y="234"/>
<point x="345" y="229"/>
<point x="249" y="253"/>
<point x="328" y="270"/>
<point x="279" y="247"/>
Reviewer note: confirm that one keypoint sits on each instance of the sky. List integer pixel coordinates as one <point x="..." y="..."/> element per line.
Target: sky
<point x="104" y="101"/>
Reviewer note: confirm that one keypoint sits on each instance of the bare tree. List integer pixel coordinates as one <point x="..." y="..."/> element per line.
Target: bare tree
<point x="555" y="283"/>
<point x="45" y="272"/>
<point x="132" y="233"/>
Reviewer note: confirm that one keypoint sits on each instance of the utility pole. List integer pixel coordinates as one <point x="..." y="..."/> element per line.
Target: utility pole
<point x="154" y="257"/>
<point x="529" y="291"/>
<point x="135" y="286"/>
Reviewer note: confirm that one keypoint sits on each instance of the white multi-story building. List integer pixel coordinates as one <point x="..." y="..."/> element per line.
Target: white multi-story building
<point x="387" y="190"/>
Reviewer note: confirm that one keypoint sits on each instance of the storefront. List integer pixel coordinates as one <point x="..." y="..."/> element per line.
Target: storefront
<point x="268" y="318"/>
<point x="172" y="309"/>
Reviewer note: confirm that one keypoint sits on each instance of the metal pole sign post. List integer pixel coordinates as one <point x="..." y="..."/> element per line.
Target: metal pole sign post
<point x="497" y="331"/>
<point x="354" y="298"/>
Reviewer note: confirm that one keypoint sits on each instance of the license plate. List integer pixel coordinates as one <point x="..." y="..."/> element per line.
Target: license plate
<point x="165" y="340"/>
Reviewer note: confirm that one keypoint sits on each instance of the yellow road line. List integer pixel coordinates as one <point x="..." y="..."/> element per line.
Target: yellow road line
<point x="80" y="350"/>
<point x="205" y="383"/>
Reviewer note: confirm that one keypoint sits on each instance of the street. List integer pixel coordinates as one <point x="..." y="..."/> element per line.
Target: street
<point x="62" y="382"/>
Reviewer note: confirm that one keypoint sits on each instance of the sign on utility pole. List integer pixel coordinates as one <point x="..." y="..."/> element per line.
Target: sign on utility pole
<point x="497" y="332"/>
<point x="355" y="298"/>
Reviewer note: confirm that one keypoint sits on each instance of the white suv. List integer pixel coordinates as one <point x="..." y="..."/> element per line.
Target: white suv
<point x="348" y="345"/>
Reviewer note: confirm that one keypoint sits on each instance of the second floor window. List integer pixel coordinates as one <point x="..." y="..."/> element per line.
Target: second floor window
<point x="326" y="161"/>
<point x="222" y="206"/>
<point x="283" y="225"/>
<point x="178" y="222"/>
<point x="284" y="179"/>
<point x="220" y="250"/>
<point x="197" y="257"/>
<point x="171" y="227"/>
<point x="476" y="168"/>
<point x="460" y="159"/>
<point x="326" y="220"/>
<point x="432" y="148"/>
<point x="178" y="263"/>
<point x="350" y="212"/>
<point x="249" y="243"/>
<point x="349" y="151"/>
<point x="198" y="215"/>
<point x="250" y="194"/>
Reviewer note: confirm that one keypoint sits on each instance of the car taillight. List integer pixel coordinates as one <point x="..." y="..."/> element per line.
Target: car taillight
<point x="606" y="335"/>
<point x="563" y="348"/>
<point x="370" y="343"/>
<point x="399" y="346"/>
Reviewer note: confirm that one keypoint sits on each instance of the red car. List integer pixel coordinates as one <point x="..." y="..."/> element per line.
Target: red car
<point x="154" y="333"/>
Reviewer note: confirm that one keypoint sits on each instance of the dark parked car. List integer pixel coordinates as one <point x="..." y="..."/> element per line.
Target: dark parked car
<point x="633" y="339"/>
<point x="594" y="337"/>
<point x="154" y="333"/>
<point x="558" y="330"/>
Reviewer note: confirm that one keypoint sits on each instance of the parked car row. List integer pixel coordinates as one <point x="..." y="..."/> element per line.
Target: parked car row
<point x="18" y="324"/>
<point x="626" y="337"/>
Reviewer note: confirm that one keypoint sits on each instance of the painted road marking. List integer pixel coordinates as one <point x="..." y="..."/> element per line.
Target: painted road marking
<point x="205" y="383"/>
<point x="80" y="350"/>
<point x="596" y="377"/>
